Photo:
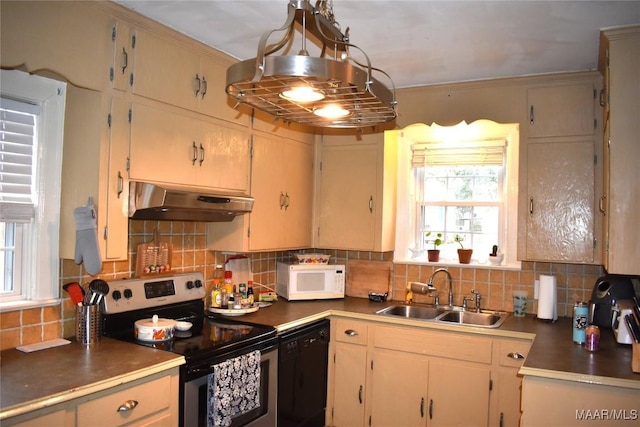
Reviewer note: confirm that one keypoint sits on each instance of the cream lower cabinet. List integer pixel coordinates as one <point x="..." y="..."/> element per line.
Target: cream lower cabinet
<point x="175" y="147"/>
<point x="508" y="357"/>
<point x="553" y="402"/>
<point x="282" y="185"/>
<point x="150" y="402"/>
<point x="414" y="377"/>
<point x="355" y="198"/>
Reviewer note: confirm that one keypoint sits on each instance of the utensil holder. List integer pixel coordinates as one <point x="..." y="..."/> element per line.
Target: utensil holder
<point x="88" y="323"/>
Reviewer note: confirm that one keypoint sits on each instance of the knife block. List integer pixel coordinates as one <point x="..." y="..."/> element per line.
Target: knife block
<point x="635" y="357"/>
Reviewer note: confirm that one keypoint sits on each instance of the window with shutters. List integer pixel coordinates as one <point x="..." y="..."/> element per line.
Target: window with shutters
<point x="31" y="131"/>
<point x="459" y="182"/>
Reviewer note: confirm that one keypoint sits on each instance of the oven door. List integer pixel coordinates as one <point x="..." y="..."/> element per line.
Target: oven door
<point x="195" y="397"/>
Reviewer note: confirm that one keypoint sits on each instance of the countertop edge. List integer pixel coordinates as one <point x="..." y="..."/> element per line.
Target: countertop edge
<point x="581" y="378"/>
<point x="96" y="387"/>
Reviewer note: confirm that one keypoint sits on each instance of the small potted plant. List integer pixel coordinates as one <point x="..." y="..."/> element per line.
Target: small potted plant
<point x="433" y="255"/>
<point x="464" y="255"/>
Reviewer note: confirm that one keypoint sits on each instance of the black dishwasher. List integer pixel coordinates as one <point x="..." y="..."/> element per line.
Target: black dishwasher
<point x="302" y="376"/>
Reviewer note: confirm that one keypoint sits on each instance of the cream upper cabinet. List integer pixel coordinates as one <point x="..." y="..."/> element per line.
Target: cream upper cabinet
<point x="282" y="185"/>
<point x="566" y="110"/>
<point x="173" y="73"/>
<point x="94" y="166"/>
<point x="620" y="65"/>
<point x="171" y="146"/>
<point x="57" y="37"/>
<point x="559" y="221"/>
<point x="355" y="199"/>
<point x="123" y="55"/>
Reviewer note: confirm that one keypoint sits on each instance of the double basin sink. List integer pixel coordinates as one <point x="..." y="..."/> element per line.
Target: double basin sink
<point x="448" y="315"/>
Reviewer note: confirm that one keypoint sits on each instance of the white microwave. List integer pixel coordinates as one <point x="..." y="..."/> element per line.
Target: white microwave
<point x="296" y="282"/>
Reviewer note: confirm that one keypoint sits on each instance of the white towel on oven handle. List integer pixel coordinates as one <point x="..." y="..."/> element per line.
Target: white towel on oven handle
<point x="233" y="389"/>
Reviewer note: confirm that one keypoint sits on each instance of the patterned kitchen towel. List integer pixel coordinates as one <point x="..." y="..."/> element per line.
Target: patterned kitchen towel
<point x="233" y="389"/>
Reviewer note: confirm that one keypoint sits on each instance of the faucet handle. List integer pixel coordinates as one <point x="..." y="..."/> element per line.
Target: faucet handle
<point x="464" y="302"/>
<point x="478" y="298"/>
<point x="436" y="298"/>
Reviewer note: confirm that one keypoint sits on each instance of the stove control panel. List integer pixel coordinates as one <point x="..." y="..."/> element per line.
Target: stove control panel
<point x="135" y="294"/>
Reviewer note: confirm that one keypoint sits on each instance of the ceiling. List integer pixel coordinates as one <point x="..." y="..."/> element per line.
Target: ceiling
<point x="421" y="42"/>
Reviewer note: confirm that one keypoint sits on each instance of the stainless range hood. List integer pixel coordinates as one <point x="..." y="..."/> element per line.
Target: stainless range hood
<point x="155" y="202"/>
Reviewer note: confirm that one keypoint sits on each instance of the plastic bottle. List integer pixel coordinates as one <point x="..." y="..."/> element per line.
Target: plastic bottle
<point x="218" y="273"/>
<point x="228" y="281"/>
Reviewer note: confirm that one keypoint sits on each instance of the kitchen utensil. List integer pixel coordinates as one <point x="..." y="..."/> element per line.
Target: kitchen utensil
<point x="75" y="291"/>
<point x="153" y="258"/>
<point x="620" y="328"/>
<point x="154" y="329"/>
<point x="633" y="327"/>
<point x="99" y="289"/>
<point x="606" y="292"/>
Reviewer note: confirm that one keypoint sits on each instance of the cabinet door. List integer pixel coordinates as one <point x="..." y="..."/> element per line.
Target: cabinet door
<point x="282" y="178"/>
<point x="216" y="102"/>
<point x="561" y="111"/>
<point x="458" y="394"/>
<point x="346" y="203"/>
<point x="163" y="146"/>
<point x="560" y="188"/>
<point x="121" y="71"/>
<point x="225" y="156"/>
<point x="399" y="389"/>
<point x="117" y="224"/>
<point x="58" y="36"/>
<point x="166" y="71"/>
<point x="349" y="391"/>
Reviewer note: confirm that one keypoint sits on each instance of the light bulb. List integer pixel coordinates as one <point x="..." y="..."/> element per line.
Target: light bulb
<point x="302" y="94"/>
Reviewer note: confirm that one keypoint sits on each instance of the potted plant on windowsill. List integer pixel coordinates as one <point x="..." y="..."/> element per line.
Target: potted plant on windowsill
<point x="433" y="255"/>
<point x="464" y="255"/>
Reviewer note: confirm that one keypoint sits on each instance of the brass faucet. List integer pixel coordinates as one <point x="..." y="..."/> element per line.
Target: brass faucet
<point x="450" y="282"/>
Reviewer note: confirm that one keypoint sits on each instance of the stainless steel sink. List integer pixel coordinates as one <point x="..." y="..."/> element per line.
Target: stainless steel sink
<point x="446" y="314"/>
<point x="482" y="319"/>
<point x="412" y="311"/>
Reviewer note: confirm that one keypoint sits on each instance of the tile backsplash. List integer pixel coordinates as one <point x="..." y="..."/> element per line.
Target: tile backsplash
<point x="190" y="253"/>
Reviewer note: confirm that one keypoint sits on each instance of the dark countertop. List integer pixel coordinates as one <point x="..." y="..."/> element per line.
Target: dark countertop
<point x="552" y="355"/>
<point x="32" y="381"/>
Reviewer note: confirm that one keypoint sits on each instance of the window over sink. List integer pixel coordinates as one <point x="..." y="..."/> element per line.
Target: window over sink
<point x="457" y="184"/>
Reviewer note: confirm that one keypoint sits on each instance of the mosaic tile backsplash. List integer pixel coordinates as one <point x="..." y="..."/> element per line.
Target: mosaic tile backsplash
<point x="22" y="327"/>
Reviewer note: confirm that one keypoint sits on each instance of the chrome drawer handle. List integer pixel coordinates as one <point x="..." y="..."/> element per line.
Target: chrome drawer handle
<point x="351" y="332"/>
<point x="129" y="405"/>
<point x="515" y="355"/>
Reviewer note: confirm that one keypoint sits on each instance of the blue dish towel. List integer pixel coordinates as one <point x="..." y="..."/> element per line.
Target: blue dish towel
<point x="233" y="389"/>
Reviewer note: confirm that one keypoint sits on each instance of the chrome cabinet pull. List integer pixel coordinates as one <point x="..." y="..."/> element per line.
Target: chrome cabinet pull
<point x="204" y="89"/>
<point x="430" y="409"/>
<point x="360" y="395"/>
<point x="531" y="116"/>
<point x="120" y="186"/>
<point x="201" y="154"/>
<point x="351" y="333"/>
<point x="286" y="201"/>
<point x="197" y="85"/>
<point x="601" y="204"/>
<point x="195" y="154"/>
<point x="422" y="408"/>
<point x="531" y="206"/>
<point x="128" y="406"/>
<point x="515" y="355"/>
<point x="125" y="60"/>
<point x="370" y="204"/>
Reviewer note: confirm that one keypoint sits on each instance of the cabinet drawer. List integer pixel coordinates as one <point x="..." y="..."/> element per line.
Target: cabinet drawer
<point x="452" y="346"/>
<point x="510" y="352"/>
<point x="351" y="331"/>
<point x="152" y="397"/>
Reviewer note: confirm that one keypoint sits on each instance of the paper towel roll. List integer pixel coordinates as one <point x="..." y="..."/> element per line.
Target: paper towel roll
<point x="548" y="298"/>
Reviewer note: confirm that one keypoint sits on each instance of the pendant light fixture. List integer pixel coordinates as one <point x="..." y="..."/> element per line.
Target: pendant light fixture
<point x="331" y="90"/>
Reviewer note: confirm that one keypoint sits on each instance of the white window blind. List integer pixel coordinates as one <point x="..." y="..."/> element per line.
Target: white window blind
<point x="17" y="160"/>
<point x="459" y="154"/>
